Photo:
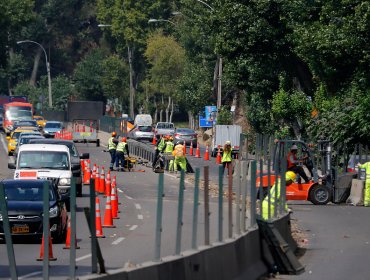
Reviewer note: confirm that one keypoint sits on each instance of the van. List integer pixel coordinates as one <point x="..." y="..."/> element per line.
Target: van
<point x="143" y="120"/>
<point x="45" y="161"/>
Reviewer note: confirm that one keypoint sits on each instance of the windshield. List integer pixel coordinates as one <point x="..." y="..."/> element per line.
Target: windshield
<point x="15" y="113"/>
<point x="26" y="140"/>
<point x="185" y="131"/>
<point x="43" y="160"/>
<point x="72" y="150"/>
<point x="25" y="123"/>
<point x="53" y="125"/>
<point x="165" y="125"/>
<point x="145" y="128"/>
<point x="27" y="193"/>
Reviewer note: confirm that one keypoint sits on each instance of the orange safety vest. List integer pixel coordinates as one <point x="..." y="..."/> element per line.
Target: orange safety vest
<point x="178" y="151"/>
<point x="290" y="163"/>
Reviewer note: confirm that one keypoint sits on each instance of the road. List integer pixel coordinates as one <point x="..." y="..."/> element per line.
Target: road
<point x="132" y="241"/>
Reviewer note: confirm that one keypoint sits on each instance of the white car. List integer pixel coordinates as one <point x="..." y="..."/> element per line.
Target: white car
<point x="45" y="161"/>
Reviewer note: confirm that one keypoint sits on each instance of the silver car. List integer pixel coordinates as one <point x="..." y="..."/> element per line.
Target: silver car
<point x="141" y="133"/>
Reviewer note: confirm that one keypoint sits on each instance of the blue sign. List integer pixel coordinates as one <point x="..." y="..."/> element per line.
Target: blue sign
<point x="204" y="123"/>
<point x="210" y="113"/>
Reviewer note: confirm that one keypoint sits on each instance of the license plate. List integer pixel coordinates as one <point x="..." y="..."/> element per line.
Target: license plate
<point x="20" y="229"/>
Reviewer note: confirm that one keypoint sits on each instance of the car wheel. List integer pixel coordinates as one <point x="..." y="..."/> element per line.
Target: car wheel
<point x="319" y="195"/>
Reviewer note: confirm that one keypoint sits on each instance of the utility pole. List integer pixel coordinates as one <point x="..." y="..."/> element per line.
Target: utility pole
<point x="132" y="89"/>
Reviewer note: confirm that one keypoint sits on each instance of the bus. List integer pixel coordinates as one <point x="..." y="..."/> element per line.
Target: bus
<point x="16" y="111"/>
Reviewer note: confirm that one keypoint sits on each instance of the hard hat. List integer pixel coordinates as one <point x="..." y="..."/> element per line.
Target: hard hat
<point x="290" y="176"/>
<point x="294" y="147"/>
<point x="228" y="142"/>
<point x="114" y="133"/>
<point x="171" y="138"/>
<point x="124" y="139"/>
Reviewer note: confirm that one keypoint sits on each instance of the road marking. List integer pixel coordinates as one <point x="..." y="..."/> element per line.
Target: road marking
<point x="30" y="275"/>
<point x="117" y="241"/>
<point x="140" y="217"/>
<point x="119" y="190"/>
<point x="83" y="257"/>
<point x="129" y="197"/>
<point x="137" y="205"/>
<point x="4" y="145"/>
<point x="133" y="227"/>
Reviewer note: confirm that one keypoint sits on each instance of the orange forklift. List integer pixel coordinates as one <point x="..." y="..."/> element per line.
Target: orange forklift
<point x="326" y="184"/>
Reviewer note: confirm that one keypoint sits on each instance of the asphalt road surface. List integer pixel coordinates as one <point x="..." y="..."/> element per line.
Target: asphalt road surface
<point x="132" y="241"/>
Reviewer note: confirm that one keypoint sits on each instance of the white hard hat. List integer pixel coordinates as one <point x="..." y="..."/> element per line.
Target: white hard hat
<point x="228" y="142"/>
<point x="294" y="147"/>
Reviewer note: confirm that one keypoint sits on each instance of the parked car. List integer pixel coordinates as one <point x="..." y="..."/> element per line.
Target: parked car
<point x="164" y="128"/>
<point x="51" y="127"/>
<point x="185" y="134"/>
<point x="25" y="208"/>
<point x="75" y="158"/>
<point x="141" y="133"/>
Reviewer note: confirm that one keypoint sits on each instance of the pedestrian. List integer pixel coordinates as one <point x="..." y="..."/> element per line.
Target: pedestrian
<point x="159" y="149"/>
<point x="366" y="166"/>
<point x="226" y="159"/>
<point x="122" y="148"/>
<point x="275" y="192"/>
<point x="180" y="159"/>
<point x="112" y="146"/>
<point x="294" y="161"/>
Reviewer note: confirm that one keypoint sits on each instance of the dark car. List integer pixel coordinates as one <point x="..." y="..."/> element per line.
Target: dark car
<point x="28" y="123"/>
<point x="51" y="127"/>
<point x="75" y="158"/>
<point x="185" y="134"/>
<point x="25" y="209"/>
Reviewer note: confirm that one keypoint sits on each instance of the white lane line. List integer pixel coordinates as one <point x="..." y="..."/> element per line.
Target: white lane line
<point x="4" y="145"/>
<point x="140" y="217"/>
<point x="129" y="197"/>
<point x="118" y="240"/>
<point x="83" y="257"/>
<point x="119" y="190"/>
<point x="137" y="205"/>
<point x="133" y="227"/>
<point x="30" y="275"/>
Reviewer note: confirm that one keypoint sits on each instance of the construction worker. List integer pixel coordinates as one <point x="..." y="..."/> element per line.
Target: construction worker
<point x="366" y="166"/>
<point x="289" y="179"/>
<point x="226" y="159"/>
<point x="112" y="146"/>
<point x="293" y="163"/>
<point x="168" y="151"/>
<point x="159" y="148"/>
<point x="180" y="159"/>
<point x="122" y="147"/>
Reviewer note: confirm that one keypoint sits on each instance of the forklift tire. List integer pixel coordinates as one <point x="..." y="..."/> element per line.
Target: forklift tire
<point x="320" y="195"/>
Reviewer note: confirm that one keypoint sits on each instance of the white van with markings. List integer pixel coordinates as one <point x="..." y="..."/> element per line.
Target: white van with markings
<point x="45" y="161"/>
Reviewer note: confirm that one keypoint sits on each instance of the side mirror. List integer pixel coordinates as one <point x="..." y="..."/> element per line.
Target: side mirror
<point x="85" y="156"/>
<point x="11" y="165"/>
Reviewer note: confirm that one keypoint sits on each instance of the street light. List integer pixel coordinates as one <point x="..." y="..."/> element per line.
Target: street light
<point x="47" y="68"/>
<point x="158" y="20"/>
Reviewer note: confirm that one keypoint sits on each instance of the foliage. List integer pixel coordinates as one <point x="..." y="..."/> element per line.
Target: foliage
<point x="62" y="91"/>
<point x="224" y="116"/>
<point x="24" y="88"/>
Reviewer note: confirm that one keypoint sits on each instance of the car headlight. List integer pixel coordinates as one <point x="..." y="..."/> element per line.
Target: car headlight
<point x="53" y="212"/>
<point x="64" y="181"/>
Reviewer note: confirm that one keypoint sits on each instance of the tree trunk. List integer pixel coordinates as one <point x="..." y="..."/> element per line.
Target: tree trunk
<point x="161" y="110"/>
<point x="190" y="117"/>
<point x="36" y="63"/>
<point x="132" y="89"/>
<point x="171" y="115"/>
<point x="168" y="109"/>
<point x="156" y="111"/>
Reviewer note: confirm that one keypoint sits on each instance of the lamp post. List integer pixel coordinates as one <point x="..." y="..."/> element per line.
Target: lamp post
<point x="47" y="68"/>
<point x="132" y="90"/>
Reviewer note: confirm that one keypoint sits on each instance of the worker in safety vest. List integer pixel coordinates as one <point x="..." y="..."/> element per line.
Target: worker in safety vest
<point x="159" y="148"/>
<point x="168" y="151"/>
<point x="122" y="148"/>
<point x="366" y="166"/>
<point x="112" y="146"/>
<point x="180" y="159"/>
<point x="226" y="158"/>
<point x="293" y="163"/>
<point x="275" y="192"/>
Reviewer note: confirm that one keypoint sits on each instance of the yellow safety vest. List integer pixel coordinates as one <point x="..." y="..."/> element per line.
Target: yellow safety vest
<point x="178" y="151"/>
<point x="169" y="147"/>
<point x="111" y="144"/>
<point x="226" y="156"/>
<point x="121" y="147"/>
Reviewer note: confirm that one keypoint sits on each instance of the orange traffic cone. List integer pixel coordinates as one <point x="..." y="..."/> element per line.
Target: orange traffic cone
<point x="68" y="239"/>
<point x="102" y="181"/>
<point x="218" y="158"/>
<point x="114" y="203"/>
<point x="99" y="229"/>
<point x="191" y="149"/>
<point x="114" y="183"/>
<point x="87" y="173"/>
<point x="154" y="141"/>
<point x="108" y="220"/>
<point x="197" y="151"/>
<point x="97" y="179"/>
<point x="51" y="257"/>
<point x="184" y="148"/>
<point x="93" y="173"/>
<point x="206" y="154"/>
<point x="108" y="184"/>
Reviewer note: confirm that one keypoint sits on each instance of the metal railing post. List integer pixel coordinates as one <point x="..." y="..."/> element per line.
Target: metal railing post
<point x="230" y="200"/>
<point x="237" y="196"/>
<point x="158" y="228"/>
<point x="206" y="205"/>
<point x="46" y="229"/>
<point x="195" y="208"/>
<point x="72" y="256"/>
<point x="220" y="203"/>
<point x="253" y="192"/>
<point x="180" y="213"/>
